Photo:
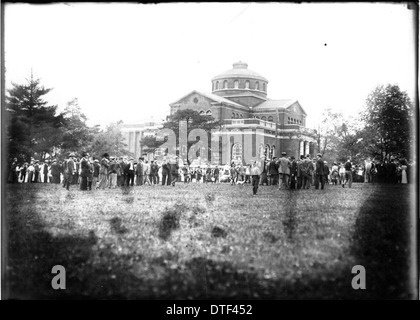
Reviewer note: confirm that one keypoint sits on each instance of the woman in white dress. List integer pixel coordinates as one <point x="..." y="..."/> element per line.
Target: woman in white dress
<point x="404" y="171"/>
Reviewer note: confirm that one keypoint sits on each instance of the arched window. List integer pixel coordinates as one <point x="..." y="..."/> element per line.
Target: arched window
<point x="233" y="115"/>
<point x="272" y="151"/>
<point x="225" y="85"/>
<point x="236" y="84"/>
<point x="217" y="85"/>
<point x="237" y="116"/>
<point x="257" y="118"/>
<point x="263" y="86"/>
<point x="267" y="151"/>
<point x="247" y="84"/>
<point x="201" y="113"/>
<point x="208" y="113"/>
<point x="241" y="116"/>
<point x="263" y="118"/>
<point x="257" y="86"/>
<point x="237" y="152"/>
<point x="270" y="118"/>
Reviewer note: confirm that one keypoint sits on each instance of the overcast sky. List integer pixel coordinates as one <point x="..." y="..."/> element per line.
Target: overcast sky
<point x="130" y="61"/>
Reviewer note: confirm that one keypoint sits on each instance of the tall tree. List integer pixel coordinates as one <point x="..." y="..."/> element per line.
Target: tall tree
<point x="33" y="127"/>
<point x="111" y="141"/>
<point x="77" y="135"/>
<point x="335" y="134"/>
<point x="388" y="120"/>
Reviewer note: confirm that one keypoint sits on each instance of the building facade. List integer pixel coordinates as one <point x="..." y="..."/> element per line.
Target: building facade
<point x="253" y="125"/>
<point x="134" y="133"/>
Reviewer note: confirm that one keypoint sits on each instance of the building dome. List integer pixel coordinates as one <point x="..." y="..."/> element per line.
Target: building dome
<point x="240" y="70"/>
<point x="239" y="81"/>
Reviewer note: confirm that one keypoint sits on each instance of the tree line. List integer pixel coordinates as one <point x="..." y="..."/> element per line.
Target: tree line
<point x="384" y="129"/>
<point x="36" y="130"/>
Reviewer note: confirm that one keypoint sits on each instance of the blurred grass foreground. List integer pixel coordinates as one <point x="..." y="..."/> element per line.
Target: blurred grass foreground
<point x="197" y="241"/>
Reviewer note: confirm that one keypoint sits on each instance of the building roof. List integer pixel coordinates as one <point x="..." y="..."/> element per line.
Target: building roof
<point x="279" y="104"/>
<point x="240" y="70"/>
<point x="211" y="96"/>
<point x="276" y="104"/>
<point x="246" y="94"/>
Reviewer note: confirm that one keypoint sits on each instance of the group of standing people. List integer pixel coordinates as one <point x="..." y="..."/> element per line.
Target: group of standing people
<point x="112" y="172"/>
<point x="292" y="173"/>
<point x="287" y="172"/>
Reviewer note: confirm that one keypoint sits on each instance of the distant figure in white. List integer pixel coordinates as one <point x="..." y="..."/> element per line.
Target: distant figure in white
<point x="368" y="167"/>
<point x="404" y="171"/>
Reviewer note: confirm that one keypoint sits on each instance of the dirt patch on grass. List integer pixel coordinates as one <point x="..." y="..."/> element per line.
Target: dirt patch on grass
<point x="117" y="226"/>
<point x="218" y="232"/>
<point x="170" y="220"/>
<point x="270" y="237"/>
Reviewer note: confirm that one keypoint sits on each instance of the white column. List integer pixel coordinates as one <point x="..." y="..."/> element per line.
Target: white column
<point x="306" y="147"/>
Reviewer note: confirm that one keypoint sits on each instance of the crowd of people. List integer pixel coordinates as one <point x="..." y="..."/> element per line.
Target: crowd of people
<point x="91" y="173"/>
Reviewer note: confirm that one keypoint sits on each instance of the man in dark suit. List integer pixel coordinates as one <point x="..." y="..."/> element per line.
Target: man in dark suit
<point x="174" y="167"/>
<point x="284" y="171"/>
<point x="122" y="177"/>
<point x="154" y="172"/>
<point x="55" y="172"/>
<point x="319" y="172"/>
<point x="84" y="164"/>
<point x="129" y="169"/>
<point x="37" y="171"/>
<point x="293" y="172"/>
<point x="139" y="172"/>
<point x="166" y="177"/>
<point x="45" y="171"/>
<point x="273" y="172"/>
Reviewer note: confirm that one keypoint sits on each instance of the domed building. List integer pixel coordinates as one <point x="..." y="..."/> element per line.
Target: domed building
<point x="252" y="123"/>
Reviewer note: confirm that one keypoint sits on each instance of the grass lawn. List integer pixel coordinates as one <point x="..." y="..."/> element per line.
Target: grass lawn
<point x="196" y="241"/>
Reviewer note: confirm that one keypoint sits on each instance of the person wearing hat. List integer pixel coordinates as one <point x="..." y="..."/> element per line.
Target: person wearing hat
<point x="37" y="170"/>
<point x="348" y="175"/>
<point x="23" y="171"/>
<point x="31" y="172"/>
<point x="45" y="171"/>
<point x="129" y="170"/>
<point x="69" y="171"/>
<point x="95" y="176"/>
<point x="103" y="171"/>
<point x="255" y="176"/>
<point x="139" y="172"/>
<point x="174" y="171"/>
<point x="112" y="173"/>
<point x="273" y="172"/>
<point x="319" y="172"/>
<point x="153" y="175"/>
<point x="284" y="171"/>
<point x="299" y="175"/>
<point x="146" y="172"/>
<point x="84" y="174"/>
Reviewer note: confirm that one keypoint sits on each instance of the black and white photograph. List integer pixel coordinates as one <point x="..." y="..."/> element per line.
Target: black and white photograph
<point x="194" y="151"/>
